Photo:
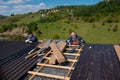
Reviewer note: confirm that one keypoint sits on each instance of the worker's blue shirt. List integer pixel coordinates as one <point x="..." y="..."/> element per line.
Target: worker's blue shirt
<point x="33" y="39"/>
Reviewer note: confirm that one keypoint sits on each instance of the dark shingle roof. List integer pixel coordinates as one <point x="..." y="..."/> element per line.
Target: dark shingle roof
<point x="97" y="62"/>
<point x="13" y="65"/>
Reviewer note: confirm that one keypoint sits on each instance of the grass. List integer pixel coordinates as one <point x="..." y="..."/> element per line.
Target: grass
<point x="12" y="19"/>
<point x="96" y="32"/>
<point x="97" y="35"/>
<point x="30" y="18"/>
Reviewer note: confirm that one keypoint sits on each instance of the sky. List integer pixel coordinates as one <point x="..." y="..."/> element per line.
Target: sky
<point x="8" y="7"/>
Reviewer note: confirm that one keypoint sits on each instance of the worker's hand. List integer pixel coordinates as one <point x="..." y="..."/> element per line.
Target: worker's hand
<point x="68" y="41"/>
<point x="28" y="41"/>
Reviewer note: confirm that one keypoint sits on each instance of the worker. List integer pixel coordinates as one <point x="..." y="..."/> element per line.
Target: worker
<point x="31" y="38"/>
<point x="74" y="39"/>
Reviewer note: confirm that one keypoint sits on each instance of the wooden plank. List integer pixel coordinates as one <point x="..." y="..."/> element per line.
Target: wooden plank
<point x="73" y="45"/>
<point x="71" y="54"/>
<point x="31" y="53"/>
<point x="52" y="59"/>
<point x="69" y="71"/>
<point x="48" y="58"/>
<point x="33" y="50"/>
<point x="44" y="44"/>
<point x="40" y="68"/>
<point x="71" y="49"/>
<point x="55" y="66"/>
<point x="70" y="60"/>
<point x="49" y="75"/>
<point x="36" y="71"/>
<point x="40" y="51"/>
<point x="117" y="49"/>
<point x="57" y="53"/>
<point x="37" y="53"/>
<point x="39" y="48"/>
<point x="62" y="45"/>
<point x="47" y="54"/>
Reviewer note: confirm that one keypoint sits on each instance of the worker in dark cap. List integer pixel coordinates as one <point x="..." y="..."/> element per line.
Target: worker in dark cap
<point x="74" y="39"/>
<point x="31" y="38"/>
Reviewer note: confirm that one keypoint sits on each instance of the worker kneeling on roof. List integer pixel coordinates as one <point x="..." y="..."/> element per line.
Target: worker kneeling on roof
<point x="74" y="39"/>
<point x="31" y="38"/>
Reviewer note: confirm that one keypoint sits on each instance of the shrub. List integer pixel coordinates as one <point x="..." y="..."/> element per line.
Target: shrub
<point x="58" y="27"/>
<point x="4" y="28"/>
<point x="86" y="19"/>
<point x="16" y="37"/>
<point x="32" y="26"/>
<point x="64" y="29"/>
<point x="63" y="32"/>
<point x="65" y="21"/>
<point x="12" y="14"/>
<point x="115" y="28"/>
<point x="38" y="33"/>
<point x="97" y="19"/>
<point x="68" y="21"/>
<point x="70" y="30"/>
<point x="55" y="37"/>
<point x="109" y="20"/>
<point x="77" y="18"/>
<point x="116" y="21"/>
<point x="91" y="20"/>
<point x="108" y="29"/>
<point x="94" y="26"/>
<point x="103" y="23"/>
<point x="33" y="16"/>
<point x="76" y="26"/>
<point x="46" y="27"/>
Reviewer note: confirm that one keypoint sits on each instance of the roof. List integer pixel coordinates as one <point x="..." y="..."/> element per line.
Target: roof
<point x="96" y="62"/>
<point x="13" y="65"/>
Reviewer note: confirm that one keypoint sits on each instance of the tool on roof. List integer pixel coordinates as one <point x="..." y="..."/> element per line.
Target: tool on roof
<point x="39" y="49"/>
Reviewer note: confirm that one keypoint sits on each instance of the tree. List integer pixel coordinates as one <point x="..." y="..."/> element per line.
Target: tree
<point x="115" y="28"/>
<point x="32" y="26"/>
<point x="12" y="14"/>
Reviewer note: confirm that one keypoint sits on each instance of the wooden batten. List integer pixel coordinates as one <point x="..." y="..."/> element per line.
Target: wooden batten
<point x="49" y="75"/>
<point x="52" y="59"/>
<point x="56" y="53"/>
<point x="62" y="45"/>
<point x="71" y="54"/>
<point x="70" y="60"/>
<point x="55" y="66"/>
<point x="117" y="49"/>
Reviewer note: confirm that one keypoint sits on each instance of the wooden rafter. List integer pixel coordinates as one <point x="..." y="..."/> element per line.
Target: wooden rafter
<point x="55" y="66"/>
<point x="117" y="49"/>
<point x="68" y="73"/>
<point x="49" y="75"/>
<point x="45" y="64"/>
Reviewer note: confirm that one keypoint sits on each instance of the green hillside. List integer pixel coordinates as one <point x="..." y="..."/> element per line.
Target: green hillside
<point x="99" y="23"/>
<point x="91" y="32"/>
